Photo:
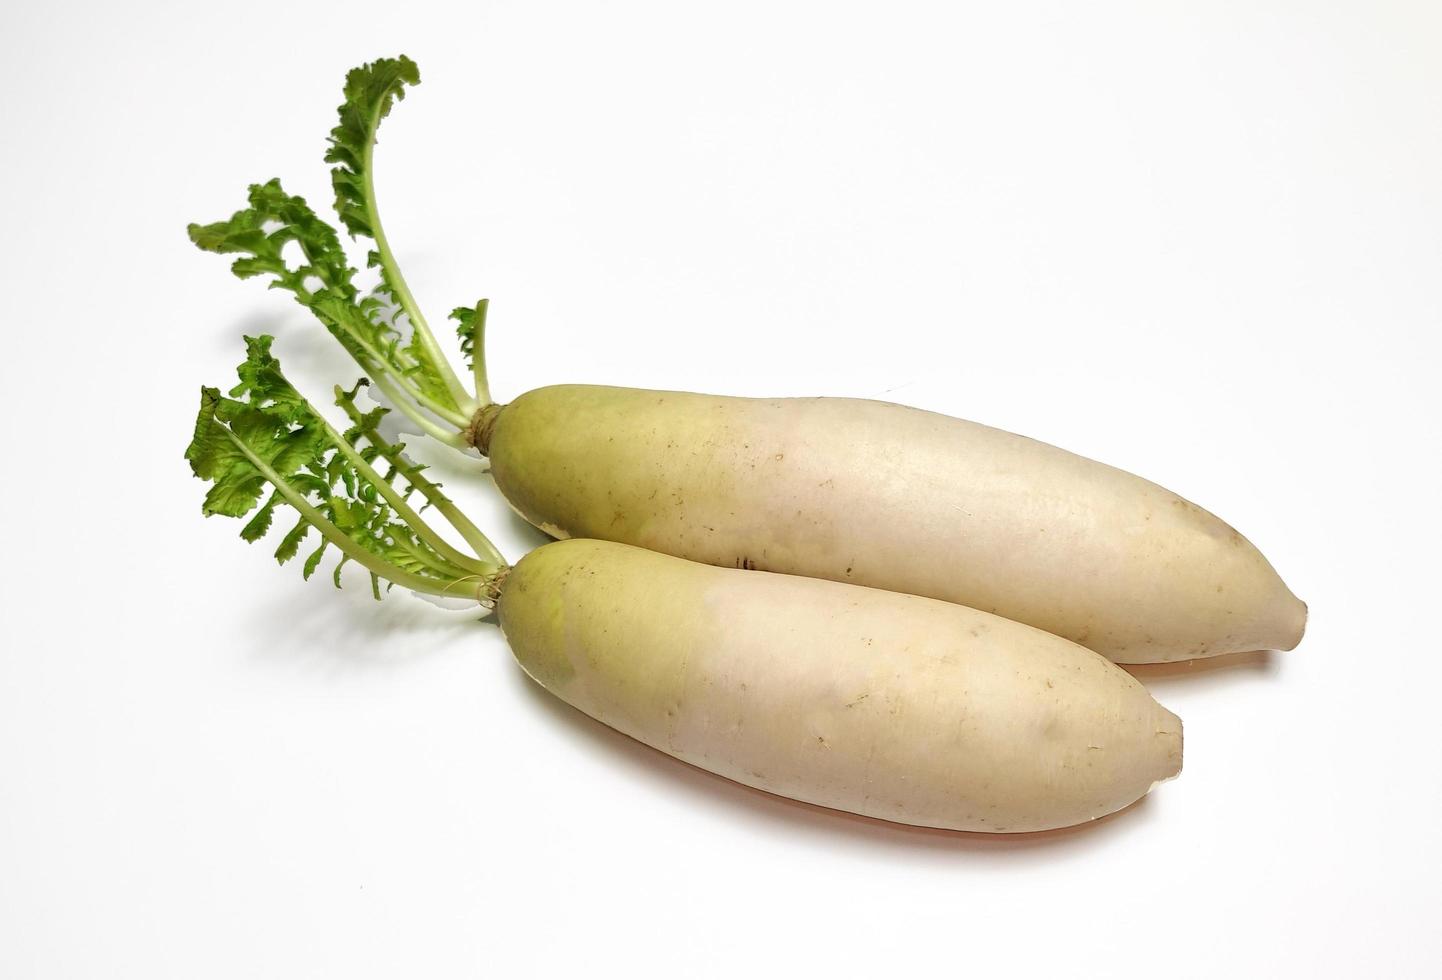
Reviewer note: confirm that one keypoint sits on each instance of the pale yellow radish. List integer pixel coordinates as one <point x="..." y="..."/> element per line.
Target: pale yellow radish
<point x="896" y="498"/>
<point x="878" y="703"/>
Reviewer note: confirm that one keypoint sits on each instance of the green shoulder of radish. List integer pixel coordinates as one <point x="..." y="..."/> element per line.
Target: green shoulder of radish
<point x="854" y="491"/>
<point x="893" y="706"/>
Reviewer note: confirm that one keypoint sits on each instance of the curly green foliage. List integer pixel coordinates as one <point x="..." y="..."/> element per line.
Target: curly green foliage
<point x="324" y="282"/>
<point x="470" y="328"/>
<point x="370" y="90"/>
<point x="260" y="233"/>
<point x="365" y="437"/>
<point x="264" y="434"/>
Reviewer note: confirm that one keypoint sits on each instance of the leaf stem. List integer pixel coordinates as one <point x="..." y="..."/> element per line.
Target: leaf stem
<point x="472" y="534"/>
<point x="404" y="510"/>
<point x="436" y="563"/>
<point x="397" y="281"/>
<point x="379" y="365"/>
<point x="478" y="354"/>
<point x="377" y="566"/>
<point x="384" y="381"/>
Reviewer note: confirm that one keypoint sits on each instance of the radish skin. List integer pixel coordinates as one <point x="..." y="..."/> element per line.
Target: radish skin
<point x="894" y="498"/>
<point x="887" y="705"/>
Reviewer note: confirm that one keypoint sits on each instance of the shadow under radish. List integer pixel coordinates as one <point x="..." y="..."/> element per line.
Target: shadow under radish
<point x="1211" y="673"/>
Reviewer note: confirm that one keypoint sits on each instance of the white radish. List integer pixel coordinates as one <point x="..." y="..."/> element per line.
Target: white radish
<point x="899" y="499"/>
<point x="888" y="705"/>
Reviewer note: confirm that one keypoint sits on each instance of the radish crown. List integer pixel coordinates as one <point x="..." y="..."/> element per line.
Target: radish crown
<point x="353" y="486"/>
<point x="383" y="329"/>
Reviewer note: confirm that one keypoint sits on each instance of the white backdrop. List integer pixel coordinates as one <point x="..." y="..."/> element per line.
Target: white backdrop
<point x="1200" y="242"/>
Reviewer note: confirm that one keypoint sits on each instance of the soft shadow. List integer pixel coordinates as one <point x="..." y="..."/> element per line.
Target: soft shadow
<point x="1256" y="662"/>
<point x="523" y="530"/>
<point x="1209" y="673"/>
<point x="267" y="317"/>
<point x="779" y="813"/>
<point x="314" y="360"/>
<point x="349" y="629"/>
<point x="1195" y="676"/>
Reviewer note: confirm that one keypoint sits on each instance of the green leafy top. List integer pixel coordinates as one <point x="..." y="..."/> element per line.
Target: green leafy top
<point x="264" y="440"/>
<point x="471" y="329"/>
<point x="369" y="92"/>
<point x="324" y="282"/>
<point x="384" y="330"/>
